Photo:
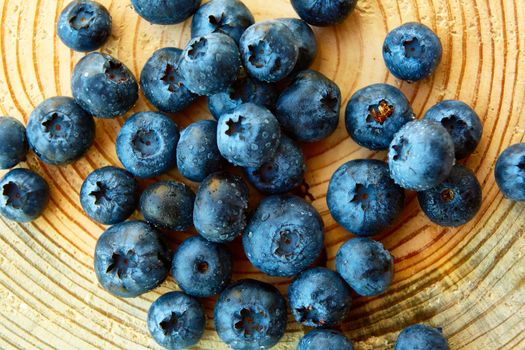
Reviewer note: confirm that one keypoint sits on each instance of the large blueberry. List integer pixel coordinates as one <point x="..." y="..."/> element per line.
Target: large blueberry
<point x="250" y="315"/>
<point x="305" y="40"/>
<point x="308" y="109"/>
<point x="13" y="142"/>
<point x="210" y="64"/>
<point x="230" y="17"/>
<point x="165" y="11"/>
<point x="375" y="113"/>
<point x="461" y="122"/>
<point x="59" y="131"/>
<point x="202" y="268"/>
<point x="323" y="13"/>
<point x="168" y="204"/>
<point x="455" y="201"/>
<point x="325" y="339"/>
<point x="319" y="297"/>
<point x="176" y="321"/>
<point x="147" y="144"/>
<point x="104" y="86"/>
<point x="420" y="336"/>
<point x="131" y="259"/>
<point x="282" y="173"/>
<point x="248" y="136"/>
<point x="24" y="195"/>
<point x="412" y="51"/>
<point x="284" y="236"/>
<point x="109" y="195"/>
<point x="161" y="83"/>
<point x="219" y="214"/>
<point x="421" y="155"/>
<point x="510" y="172"/>
<point x="84" y="25"/>
<point x="363" y="198"/>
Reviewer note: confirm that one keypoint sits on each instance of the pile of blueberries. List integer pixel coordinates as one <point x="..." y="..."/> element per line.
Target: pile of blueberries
<point x="265" y="100"/>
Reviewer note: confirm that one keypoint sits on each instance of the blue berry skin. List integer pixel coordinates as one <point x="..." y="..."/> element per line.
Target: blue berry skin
<point x="219" y="213"/>
<point x="322" y="13"/>
<point x="24" y="195"/>
<point x="462" y="123"/>
<point x="250" y="315"/>
<point x="375" y="113"/>
<point x="455" y="201"/>
<point x="284" y="236"/>
<point x="305" y="40"/>
<point x="319" y="297"/>
<point x="13" y="142"/>
<point x="230" y="17"/>
<point x="363" y="198"/>
<point x="176" y="321"/>
<point x="242" y="91"/>
<point x="162" y="84"/>
<point x="104" y="86"/>
<point x="412" y="52"/>
<point x="197" y="153"/>
<point x="282" y="173"/>
<point x="109" y="195"/>
<point x="165" y="11"/>
<point x="421" y="155"/>
<point x="59" y="131"/>
<point x="366" y="266"/>
<point x="210" y="64"/>
<point x="147" y="144"/>
<point x="168" y="204"/>
<point x="131" y="259"/>
<point x="308" y="109"/>
<point x="202" y="268"/>
<point x="84" y="25"/>
<point x="510" y="172"/>
<point x="325" y="339"/>
<point x="269" y="50"/>
<point x="421" y="337"/>
<point x="248" y="136"/>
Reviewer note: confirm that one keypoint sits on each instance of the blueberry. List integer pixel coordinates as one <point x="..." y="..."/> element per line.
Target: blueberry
<point x="242" y="91"/>
<point x="375" y="113"/>
<point x="202" y="268"/>
<point x="325" y="339"/>
<point x="282" y="173"/>
<point x="13" y="142"/>
<point x="421" y="337"/>
<point x="284" y="236"/>
<point x="319" y="297"/>
<point x="197" y="153"/>
<point x="104" y="86"/>
<point x="165" y="11"/>
<point x="109" y="195"/>
<point x="366" y="266"/>
<point x="248" y="136"/>
<point x="363" y="198"/>
<point x="455" y="201"/>
<point x="308" y="109"/>
<point x="210" y="64"/>
<point x="230" y="17"/>
<point x="24" y="195"/>
<point x="323" y="13"/>
<point x="269" y="50"/>
<point x="59" y="131"/>
<point x="161" y="83"/>
<point x="176" y="320"/>
<point x="131" y="259"/>
<point x="421" y="155"/>
<point x="461" y="122"/>
<point x="305" y="40"/>
<point x="412" y="51"/>
<point x="250" y="315"/>
<point x="510" y="172"/>
<point x="168" y="204"/>
<point x="147" y="144"/>
<point x="84" y="25"/>
<point x="219" y="214"/>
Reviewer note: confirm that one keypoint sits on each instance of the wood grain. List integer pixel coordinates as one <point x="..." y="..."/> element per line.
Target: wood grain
<point x="470" y="281"/>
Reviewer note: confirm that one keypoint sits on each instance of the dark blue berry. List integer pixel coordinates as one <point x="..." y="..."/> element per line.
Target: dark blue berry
<point x="305" y="41"/>
<point x="165" y="11"/>
<point x="325" y="339"/>
<point x="510" y="172"/>
<point x="421" y="337"/>
<point x="323" y="13"/>
<point x="13" y="142"/>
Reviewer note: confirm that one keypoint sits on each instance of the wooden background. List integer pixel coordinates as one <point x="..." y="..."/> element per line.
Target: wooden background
<point x="470" y="281"/>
